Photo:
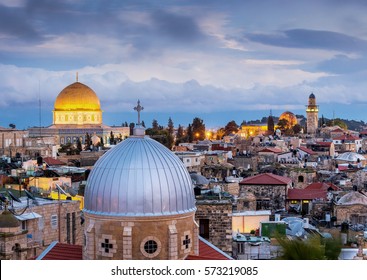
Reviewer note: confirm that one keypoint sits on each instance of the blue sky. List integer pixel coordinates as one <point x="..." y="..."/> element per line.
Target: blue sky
<point x="217" y="60"/>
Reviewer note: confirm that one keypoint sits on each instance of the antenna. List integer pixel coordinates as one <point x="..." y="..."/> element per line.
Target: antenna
<point x="39" y="106"/>
<point x="60" y="190"/>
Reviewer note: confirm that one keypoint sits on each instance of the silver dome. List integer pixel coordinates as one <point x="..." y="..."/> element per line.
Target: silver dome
<point x="139" y="177"/>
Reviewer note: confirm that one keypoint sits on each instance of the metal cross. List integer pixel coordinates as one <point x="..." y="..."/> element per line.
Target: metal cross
<point x="138" y="109"/>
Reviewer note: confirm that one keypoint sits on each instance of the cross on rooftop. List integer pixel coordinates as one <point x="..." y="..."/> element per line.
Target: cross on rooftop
<point x="138" y="109"/>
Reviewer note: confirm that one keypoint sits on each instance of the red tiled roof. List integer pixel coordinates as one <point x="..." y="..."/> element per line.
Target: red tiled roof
<point x="271" y="150"/>
<point x="324" y="144"/>
<point x="51" y="161"/>
<point x="61" y="251"/>
<point x="266" y="179"/>
<point x="208" y="251"/>
<point x="308" y="151"/>
<point x="337" y="130"/>
<point x="321" y="186"/>
<point x="363" y="132"/>
<point x="346" y="137"/>
<point x="305" y="194"/>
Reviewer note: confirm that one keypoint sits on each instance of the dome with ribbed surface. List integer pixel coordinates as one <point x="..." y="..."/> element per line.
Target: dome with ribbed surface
<point x="139" y="177"/>
<point x="76" y="97"/>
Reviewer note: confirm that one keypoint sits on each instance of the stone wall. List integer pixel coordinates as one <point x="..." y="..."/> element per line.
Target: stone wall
<point x="298" y="176"/>
<point x="276" y="194"/>
<point x="219" y="214"/>
<point x="130" y="238"/>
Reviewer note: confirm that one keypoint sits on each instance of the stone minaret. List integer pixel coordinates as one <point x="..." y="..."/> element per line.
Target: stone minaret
<point x="312" y="115"/>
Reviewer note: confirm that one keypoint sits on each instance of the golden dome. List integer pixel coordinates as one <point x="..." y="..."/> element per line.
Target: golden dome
<point x="77" y="97"/>
<point x="290" y="117"/>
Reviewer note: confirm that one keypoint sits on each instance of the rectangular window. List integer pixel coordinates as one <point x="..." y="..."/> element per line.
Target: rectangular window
<point x="73" y="227"/>
<point x="54" y="221"/>
<point x="24" y="225"/>
<point x="204" y="228"/>
<point x="68" y="228"/>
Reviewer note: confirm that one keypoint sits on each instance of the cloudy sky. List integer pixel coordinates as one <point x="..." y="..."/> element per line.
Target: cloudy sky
<point x="217" y="60"/>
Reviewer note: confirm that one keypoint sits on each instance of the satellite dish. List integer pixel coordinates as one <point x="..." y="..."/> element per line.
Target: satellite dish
<point x="60" y="190"/>
<point x="29" y="195"/>
<point x="3" y="198"/>
<point x="13" y="197"/>
<point x="72" y="192"/>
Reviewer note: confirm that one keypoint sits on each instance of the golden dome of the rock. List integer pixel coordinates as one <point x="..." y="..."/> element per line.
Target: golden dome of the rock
<point x="77" y="97"/>
<point x="290" y="118"/>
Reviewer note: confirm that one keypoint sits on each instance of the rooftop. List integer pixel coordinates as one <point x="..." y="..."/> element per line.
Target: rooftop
<point x="266" y="179"/>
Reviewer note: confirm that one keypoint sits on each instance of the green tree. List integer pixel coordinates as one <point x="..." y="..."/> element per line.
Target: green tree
<point x="132" y="126"/>
<point x="297" y="128"/>
<point x="220" y="133"/>
<point x="180" y="138"/>
<point x="337" y="122"/>
<point x="155" y="124"/>
<point x="87" y="141"/>
<point x="198" y="129"/>
<point x="283" y="124"/>
<point x="312" y="248"/>
<point x="231" y="127"/>
<point x="79" y="146"/>
<point x="189" y="133"/>
<point x="171" y="127"/>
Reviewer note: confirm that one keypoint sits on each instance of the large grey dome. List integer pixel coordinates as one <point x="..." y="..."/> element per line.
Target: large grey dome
<point x="139" y="177"/>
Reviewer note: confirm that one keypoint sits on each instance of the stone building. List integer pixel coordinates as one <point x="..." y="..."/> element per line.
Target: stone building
<point x="351" y="208"/>
<point x="139" y="204"/>
<point x="215" y="222"/>
<point x="270" y="190"/>
<point x="77" y="111"/>
<point x="40" y="223"/>
<point x="312" y="112"/>
<point x="12" y="141"/>
<point x="302" y="177"/>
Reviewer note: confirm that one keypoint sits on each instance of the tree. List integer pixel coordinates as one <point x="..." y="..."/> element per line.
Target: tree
<point x="283" y="124"/>
<point x="220" y="133"/>
<point x="87" y="141"/>
<point x="337" y="122"/>
<point x="112" y="138"/>
<point x="297" y="128"/>
<point x="155" y="124"/>
<point x="132" y="125"/>
<point x="180" y="135"/>
<point x="189" y="133"/>
<point x="313" y="248"/>
<point x="231" y="127"/>
<point x="171" y="128"/>
<point x="79" y="145"/>
<point x="198" y="129"/>
<point x="11" y="125"/>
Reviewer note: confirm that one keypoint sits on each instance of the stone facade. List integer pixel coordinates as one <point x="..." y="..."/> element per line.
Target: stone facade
<point x="312" y="115"/>
<point x="354" y="214"/>
<point x="219" y="215"/>
<point x="302" y="178"/>
<point x="139" y="238"/>
<point x="34" y="235"/>
<point x="269" y="197"/>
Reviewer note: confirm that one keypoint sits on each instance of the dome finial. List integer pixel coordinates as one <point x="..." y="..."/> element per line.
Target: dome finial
<point x="138" y="109"/>
<point x="77" y="78"/>
<point x="139" y="129"/>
